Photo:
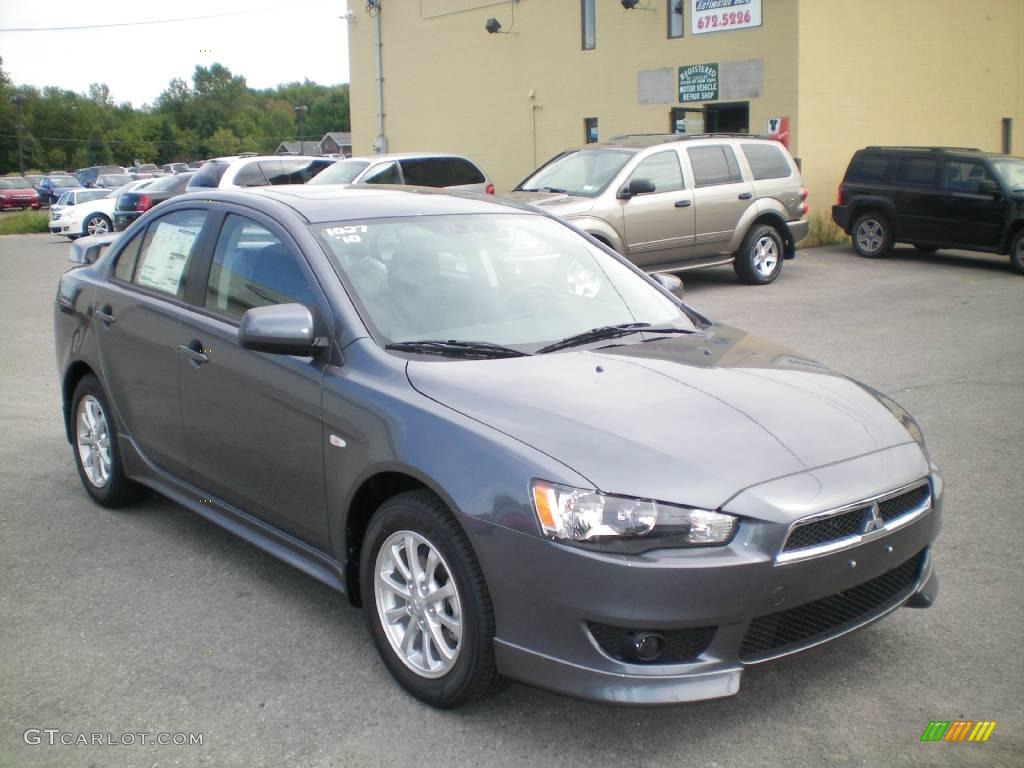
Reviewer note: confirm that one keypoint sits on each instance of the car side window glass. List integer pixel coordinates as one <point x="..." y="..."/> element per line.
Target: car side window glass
<point x="250" y="175"/>
<point x="463" y="172"/>
<point x="964" y="176"/>
<point x="167" y="250"/>
<point x="124" y="269"/>
<point x="663" y="169"/>
<point x="713" y="166"/>
<point x="869" y="168"/>
<point x="425" y="172"/>
<point x="766" y="161"/>
<point x="383" y="174"/>
<point x="253" y="268"/>
<point x="916" y="171"/>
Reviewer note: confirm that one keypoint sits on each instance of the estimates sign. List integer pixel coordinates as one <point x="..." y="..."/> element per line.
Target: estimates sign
<point x="723" y="15"/>
<point x="698" y="82"/>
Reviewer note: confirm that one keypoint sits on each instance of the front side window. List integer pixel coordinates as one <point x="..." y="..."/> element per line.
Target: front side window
<point x="340" y="172"/>
<point x="253" y="268"/>
<point x="251" y="175"/>
<point x="714" y="165"/>
<point x="166" y="251"/>
<point x="584" y="172"/>
<point x="917" y="171"/>
<point x="386" y="173"/>
<point x="509" y="279"/>
<point x="588" y="19"/>
<point x="662" y="169"/>
<point x="964" y="176"/>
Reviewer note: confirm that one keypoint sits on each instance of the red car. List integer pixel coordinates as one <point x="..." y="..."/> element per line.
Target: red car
<point x="17" y="192"/>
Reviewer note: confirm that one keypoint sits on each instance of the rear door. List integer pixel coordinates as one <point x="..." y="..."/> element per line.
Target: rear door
<point x="971" y="218"/>
<point x="137" y="314"/>
<point x="659" y="225"/>
<point x="253" y="420"/>
<point x="917" y="198"/>
<point x="721" y="197"/>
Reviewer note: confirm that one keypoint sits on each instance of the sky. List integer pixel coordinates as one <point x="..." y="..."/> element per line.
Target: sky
<point x="273" y="42"/>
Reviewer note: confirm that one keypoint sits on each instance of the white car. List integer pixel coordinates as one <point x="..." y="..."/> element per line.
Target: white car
<point x="418" y="169"/>
<point x="77" y="196"/>
<point x="238" y="171"/>
<point x="89" y="216"/>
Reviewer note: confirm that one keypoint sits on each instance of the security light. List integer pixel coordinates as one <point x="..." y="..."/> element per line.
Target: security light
<point x="492" y="26"/>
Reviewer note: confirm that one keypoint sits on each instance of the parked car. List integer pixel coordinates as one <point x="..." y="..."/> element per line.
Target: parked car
<point x="132" y="203"/>
<point x="174" y="168"/>
<point x="195" y="165"/>
<point x="53" y="186"/>
<point x="33" y="178"/>
<point x="112" y="180"/>
<point x="88" y="211"/>
<point x="931" y="198"/>
<point x="678" y="202"/>
<point x="241" y="171"/>
<point x="88" y="177"/>
<point x="17" y="192"/>
<point x="522" y="455"/>
<point x="144" y="171"/>
<point x="421" y="169"/>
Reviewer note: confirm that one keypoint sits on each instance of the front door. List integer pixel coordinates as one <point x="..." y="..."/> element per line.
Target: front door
<point x="659" y="225"/>
<point x="138" y="323"/>
<point x="721" y="197"/>
<point x="971" y="217"/>
<point x="253" y="420"/>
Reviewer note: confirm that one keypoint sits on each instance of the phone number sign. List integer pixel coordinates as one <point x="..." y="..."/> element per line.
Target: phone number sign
<point x="723" y="15"/>
<point x="698" y="82"/>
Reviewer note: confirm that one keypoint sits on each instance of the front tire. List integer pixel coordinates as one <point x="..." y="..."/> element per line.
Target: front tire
<point x="872" y="235"/>
<point x="97" y="224"/>
<point x="97" y="454"/>
<point x="759" y="260"/>
<point x="1017" y="252"/>
<point x="426" y="602"/>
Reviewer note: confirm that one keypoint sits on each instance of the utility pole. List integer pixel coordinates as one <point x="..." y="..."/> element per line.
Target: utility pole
<point x="300" y="113"/>
<point x="17" y="100"/>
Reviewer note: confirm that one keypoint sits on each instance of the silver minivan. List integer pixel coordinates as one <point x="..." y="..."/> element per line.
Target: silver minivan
<point x="677" y="202"/>
<point x="419" y="169"/>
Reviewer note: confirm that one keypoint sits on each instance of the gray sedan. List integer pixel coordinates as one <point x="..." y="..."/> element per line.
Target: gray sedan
<point x="521" y="455"/>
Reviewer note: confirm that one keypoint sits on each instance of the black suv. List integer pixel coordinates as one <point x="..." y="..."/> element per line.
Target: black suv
<point x="933" y="197"/>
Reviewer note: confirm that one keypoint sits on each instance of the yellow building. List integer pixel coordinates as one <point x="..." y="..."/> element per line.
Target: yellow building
<point x="843" y="73"/>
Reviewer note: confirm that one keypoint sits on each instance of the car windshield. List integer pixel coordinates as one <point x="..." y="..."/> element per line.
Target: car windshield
<point x="64" y="199"/>
<point x="342" y="172"/>
<point x="113" y="179"/>
<point x="583" y="172"/>
<point x="14" y="182"/>
<point x="509" y="279"/>
<point x="63" y="181"/>
<point x="1011" y="171"/>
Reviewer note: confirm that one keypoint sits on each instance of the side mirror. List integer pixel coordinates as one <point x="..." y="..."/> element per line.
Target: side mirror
<point x="671" y="283"/>
<point x="281" y="329"/>
<point x="989" y="187"/>
<point x="85" y="250"/>
<point x="637" y="187"/>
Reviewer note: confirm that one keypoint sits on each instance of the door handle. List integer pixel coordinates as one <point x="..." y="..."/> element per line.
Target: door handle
<point x="683" y="203"/>
<point x="195" y="354"/>
<point x="104" y="314"/>
<point x="746" y="195"/>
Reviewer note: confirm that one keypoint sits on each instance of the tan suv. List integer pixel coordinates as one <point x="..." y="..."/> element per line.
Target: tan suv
<point x="675" y="202"/>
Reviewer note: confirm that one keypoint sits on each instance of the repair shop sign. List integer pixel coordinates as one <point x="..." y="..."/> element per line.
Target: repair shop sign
<point x="698" y="82"/>
<point x="723" y="15"/>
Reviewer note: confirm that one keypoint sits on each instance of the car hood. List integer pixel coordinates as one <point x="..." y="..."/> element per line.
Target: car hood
<point x="692" y="420"/>
<point x="557" y="203"/>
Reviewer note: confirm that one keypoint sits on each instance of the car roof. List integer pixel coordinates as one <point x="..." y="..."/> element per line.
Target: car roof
<point x="237" y="158"/>
<point x="973" y="152"/>
<point x="638" y="141"/>
<point x="342" y="202"/>
<point x="404" y="155"/>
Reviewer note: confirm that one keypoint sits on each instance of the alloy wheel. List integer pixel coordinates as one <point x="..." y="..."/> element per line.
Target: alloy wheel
<point x="766" y="256"/>
<point x="93" y="439"/>
<point x="418" y="604"/>
<point x="97" y="226"/>
<point x="870" y="235"/>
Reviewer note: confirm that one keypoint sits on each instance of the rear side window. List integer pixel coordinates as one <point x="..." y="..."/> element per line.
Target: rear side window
<point x="426" y="172"/>
<point x="167" y="250"/>
<point x="662" y="169"/>
<point x="209" y="175"/>
<point x="714" y="165"/>
<point x="253" y="268"/>
<point x="869" y="168"/>
<point x="766" y="161"/>
<point x="917" y="171"/>
<point x="463" y="172"/>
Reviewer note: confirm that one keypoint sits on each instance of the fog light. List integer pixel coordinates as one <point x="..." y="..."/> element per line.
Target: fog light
<point x="646" y="646"/>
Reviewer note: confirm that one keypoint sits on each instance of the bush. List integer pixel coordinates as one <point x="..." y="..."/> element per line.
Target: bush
<point x="24" y="222"/>
<point x="823" y="231"/>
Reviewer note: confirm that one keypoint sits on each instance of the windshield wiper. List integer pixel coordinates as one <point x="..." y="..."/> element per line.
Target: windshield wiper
<point x="595" y="334"/>
<point x="453" y="348"/>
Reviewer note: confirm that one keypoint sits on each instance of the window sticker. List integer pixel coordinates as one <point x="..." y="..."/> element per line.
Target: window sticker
<point x="166" y="257"/>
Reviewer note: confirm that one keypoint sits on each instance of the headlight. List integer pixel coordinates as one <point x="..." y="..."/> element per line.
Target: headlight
<point x="623" y="524"/>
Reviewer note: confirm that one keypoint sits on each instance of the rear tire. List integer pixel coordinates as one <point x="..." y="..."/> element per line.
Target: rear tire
<point x="449" y="660"/>
<point x="1017" y="252"/>
<point x="97" y="453"/>
<point x="759" y="259"/>
<point x="872" y="235"/>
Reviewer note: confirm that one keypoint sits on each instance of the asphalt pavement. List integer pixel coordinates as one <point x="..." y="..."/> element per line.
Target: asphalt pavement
<point x="153" y="621"/>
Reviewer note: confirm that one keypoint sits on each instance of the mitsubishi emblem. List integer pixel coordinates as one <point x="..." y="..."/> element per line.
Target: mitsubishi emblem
<point x="876" y="522"/>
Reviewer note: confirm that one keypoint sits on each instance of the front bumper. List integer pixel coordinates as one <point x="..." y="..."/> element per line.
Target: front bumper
<point x="549" y="599"/>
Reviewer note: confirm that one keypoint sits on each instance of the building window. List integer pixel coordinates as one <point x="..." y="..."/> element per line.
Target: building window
<point x="589" y="24"/>
<point x="590" y="130"/>
<point x="675" y="18"/>
<point x="1007" y="135"/>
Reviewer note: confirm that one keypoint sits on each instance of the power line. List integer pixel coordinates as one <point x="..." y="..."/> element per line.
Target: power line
<point x="158" y="21"/>
<point x="153" y="141"/>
